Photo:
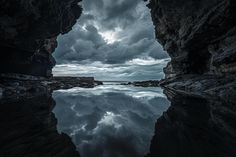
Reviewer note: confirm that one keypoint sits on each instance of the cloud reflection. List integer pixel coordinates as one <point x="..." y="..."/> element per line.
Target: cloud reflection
<point x="110" y="120"/>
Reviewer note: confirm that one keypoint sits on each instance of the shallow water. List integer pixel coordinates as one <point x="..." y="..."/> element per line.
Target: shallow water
<point x="110" y="120"/>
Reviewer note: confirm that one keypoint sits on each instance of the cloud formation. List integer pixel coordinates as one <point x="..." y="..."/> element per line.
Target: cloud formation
<point x="133" y="70"/>
<point x="111" y="32"/>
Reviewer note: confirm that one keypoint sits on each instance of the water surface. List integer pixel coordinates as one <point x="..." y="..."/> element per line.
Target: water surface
<point x="110" y="120"/>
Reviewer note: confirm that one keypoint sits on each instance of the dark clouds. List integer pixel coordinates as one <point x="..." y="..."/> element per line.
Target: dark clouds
<point x="110" y="121"/>
<point x="111" y="32"/>
<point x="134" y="70"/>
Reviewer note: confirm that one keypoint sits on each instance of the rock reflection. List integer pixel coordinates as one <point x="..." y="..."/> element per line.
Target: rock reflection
<point x="195" y="127"/>
<point x="28" y="129"/>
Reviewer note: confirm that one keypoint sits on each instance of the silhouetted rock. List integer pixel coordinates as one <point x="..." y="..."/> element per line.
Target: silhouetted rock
<point x="199" y="35"/>
<point x="28" y="33"/>
<point x="70" y="82"/>
<point x="28" y="129"/>
<point x="150" y="83"/>
<point x="195" y="127"/>
<point x="17" y="86"/>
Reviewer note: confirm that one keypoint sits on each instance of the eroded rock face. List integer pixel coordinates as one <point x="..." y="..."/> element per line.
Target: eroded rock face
<point x="200" y="36"/>
<point x="28" y="33"/>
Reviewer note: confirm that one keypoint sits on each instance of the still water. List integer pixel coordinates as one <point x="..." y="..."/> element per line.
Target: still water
<point x="110" y="120"/>
<point x="117" y="121"/>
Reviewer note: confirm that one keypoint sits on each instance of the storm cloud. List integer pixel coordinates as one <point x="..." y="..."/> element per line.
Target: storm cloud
<point x="112" y="32"/>
<point x="133" y="70"/>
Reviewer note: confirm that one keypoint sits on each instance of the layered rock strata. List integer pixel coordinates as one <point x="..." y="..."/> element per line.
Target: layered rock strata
<point x="24" y="86"/>
<point x="199" y="36"/>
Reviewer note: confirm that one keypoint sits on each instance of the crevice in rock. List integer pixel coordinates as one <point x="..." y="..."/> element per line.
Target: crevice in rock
<point x="199" y="62"/>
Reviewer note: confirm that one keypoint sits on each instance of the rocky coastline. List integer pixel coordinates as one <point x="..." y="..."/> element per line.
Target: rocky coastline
<point x="149" y="83"/>
<point x="18" y="86"/>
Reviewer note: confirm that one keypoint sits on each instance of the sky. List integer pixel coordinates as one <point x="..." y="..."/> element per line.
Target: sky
<point x="110" y="34"/>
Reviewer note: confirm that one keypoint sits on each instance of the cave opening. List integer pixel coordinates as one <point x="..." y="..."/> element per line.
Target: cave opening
<point x="112" y="41"/>
<point x="106" y="97"/>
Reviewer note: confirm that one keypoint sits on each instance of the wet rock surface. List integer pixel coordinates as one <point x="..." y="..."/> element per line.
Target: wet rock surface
<point x="70" y="82"/>
<point x="206" y="86"/>
<point x="19" y="86"/>
<point x="150" y="83"/>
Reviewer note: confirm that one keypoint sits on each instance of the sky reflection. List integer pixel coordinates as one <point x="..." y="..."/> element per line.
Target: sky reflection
<point x="110" y="120"/>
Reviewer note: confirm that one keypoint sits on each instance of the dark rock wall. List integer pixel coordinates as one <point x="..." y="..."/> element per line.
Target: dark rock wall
<point x="200" y="36"/>
<point x="195" y="127"/>
<point x="28" y="33"/>
<point x="28" y="129"/>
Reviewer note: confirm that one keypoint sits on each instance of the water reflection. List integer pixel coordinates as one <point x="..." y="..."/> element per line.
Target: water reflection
<point x="110" y="120"/>
<point x="28" y="129"/>
<point x="195" y="127"/>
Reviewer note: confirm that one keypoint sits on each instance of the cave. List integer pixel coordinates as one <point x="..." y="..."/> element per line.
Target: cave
<point x="187" y="109"/>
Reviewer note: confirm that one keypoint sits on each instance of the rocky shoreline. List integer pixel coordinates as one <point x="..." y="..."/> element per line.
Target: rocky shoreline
<point x="149" y="83"/>
<point x="18" y="86"/>
<point x="206" y="86"/>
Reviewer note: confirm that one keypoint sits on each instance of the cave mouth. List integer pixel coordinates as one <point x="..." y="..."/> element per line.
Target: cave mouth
<point x="111" y="41"/>
<point x="117" y="50"/>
